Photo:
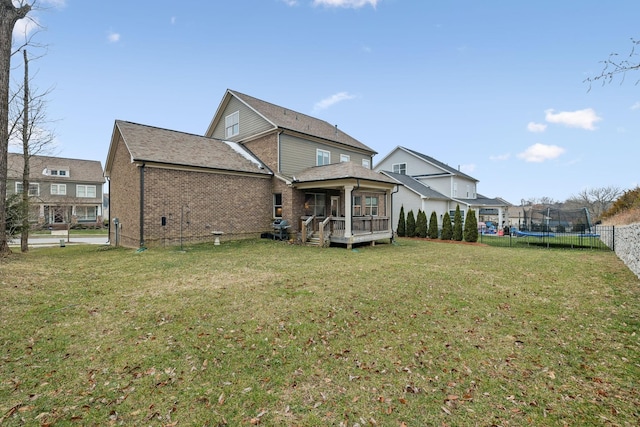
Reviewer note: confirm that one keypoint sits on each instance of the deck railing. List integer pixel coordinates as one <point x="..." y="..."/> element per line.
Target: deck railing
<point x="360" y="225"/>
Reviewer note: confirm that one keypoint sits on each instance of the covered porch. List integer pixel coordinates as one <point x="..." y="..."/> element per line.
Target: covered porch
<point x="344" y="204"/>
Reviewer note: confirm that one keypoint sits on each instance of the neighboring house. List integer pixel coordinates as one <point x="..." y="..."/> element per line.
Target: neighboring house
<point x="257" y="162"/>
<point x="432" y="186"/>
<point x="61" y="191"/>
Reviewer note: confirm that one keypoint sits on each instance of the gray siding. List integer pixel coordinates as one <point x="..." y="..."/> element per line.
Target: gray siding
<point x="250" y="122"/>
<point x="297" y="154"/>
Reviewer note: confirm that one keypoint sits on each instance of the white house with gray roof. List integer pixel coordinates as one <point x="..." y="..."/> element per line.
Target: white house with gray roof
<point x="432" y="186"/>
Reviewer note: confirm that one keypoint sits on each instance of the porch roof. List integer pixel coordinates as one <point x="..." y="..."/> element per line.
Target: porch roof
<point x="340" y="172"/>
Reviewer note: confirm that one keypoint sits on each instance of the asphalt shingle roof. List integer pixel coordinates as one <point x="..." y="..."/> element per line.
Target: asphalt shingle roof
<point x="417" y="186"/>
<point x="340" y="171"/>
<point x="299" y="122"/>
<point x="89" y="171"/>
<point x="156" y="145"/>
<point x="438" y="163"/>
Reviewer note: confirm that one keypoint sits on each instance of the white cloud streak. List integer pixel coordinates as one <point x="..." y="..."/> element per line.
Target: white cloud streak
<point x="500" y="157"/>
<point x="332" y="100"/>
<point x="536" y="127"/>
<point x="113" y="37"/>
<point x="538" y="153"/>
<point x="354" y="4"/>
<point x="583" y="119"/>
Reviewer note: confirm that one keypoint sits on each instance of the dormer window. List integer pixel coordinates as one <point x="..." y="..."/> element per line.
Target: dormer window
<point x="232" y="124"/>
<point x="57" y="172"/>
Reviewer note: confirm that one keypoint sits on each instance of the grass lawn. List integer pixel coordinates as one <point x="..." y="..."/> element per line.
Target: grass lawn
<point x="265" y="333"/>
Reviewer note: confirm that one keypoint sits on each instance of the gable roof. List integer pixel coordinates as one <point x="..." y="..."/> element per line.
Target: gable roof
<point x="79" y="170"/>
<point x="447" y="170"/>
<point x="169" y="147"/>
<point x="416" y="186"/>
<point x="284" y="118"/>
<point x="348" y="170"/>
<point x="481" y="200"/>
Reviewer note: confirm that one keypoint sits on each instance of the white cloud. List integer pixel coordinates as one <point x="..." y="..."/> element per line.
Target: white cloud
<point x="113" y="37"/>
<point x="173" y="20"/>
<point x="355" y="4"/>
<point x="24" y="27"/>
<point x="636" y="106"/>
<point x="536" y="127"/>
<point x="332" y="100"/>
<point x="538" y="153"/>
<point x="500" y="157"/>
<point x="290" y="2"/>
<point x="584" y="119"/>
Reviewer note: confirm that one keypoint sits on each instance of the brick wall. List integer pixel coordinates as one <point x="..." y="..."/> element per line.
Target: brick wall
<point x="124" y="189"/>
<point x="197" y="203"/>
<point x="266" y="149"/>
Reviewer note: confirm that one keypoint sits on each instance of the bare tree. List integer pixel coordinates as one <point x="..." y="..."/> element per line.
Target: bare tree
<point x="9" y="15"/>
<point x="28" y="126"/>
<point x="596" y="200"/>
<point x="616" y="65"/>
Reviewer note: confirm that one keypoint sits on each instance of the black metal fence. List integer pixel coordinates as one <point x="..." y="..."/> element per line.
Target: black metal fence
<point x="598" y="237"/>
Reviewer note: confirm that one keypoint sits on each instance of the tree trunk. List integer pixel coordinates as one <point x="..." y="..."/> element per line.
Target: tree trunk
<point x="9" y="14"/>
<point x="24" y="229"/>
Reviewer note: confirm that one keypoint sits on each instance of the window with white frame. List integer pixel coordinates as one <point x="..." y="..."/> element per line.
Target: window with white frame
<point x="87" y="213"/>
<point x="344" y="158"/>
<point x="59" y="172"/>
<point x="277" y="205"/>
<point x="34" y="188"/>
<point x="366" y="163"/>
<point x="323" y="157"/>
<point x="357" y="206"/>
<point x="232" y="124"/>
<point x="85" y="191"/>
<point x="400" y="168"/>
<point x="371" y="205"/>
<point x="58" y="189"/>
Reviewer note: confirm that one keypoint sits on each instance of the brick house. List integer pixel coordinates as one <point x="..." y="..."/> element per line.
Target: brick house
<point x="62" y="191"/>
<point x="257" y="162"/>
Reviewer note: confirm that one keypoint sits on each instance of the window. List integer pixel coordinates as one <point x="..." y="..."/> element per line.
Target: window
<point x="315" y="204"/>
<point x="400" y="168"/>
<point x="34" y="189"/>
<point x="366" y="163"/>
<point x="87" y="213"/>
<point x="59" y="172"/>
<point x="277" y="205"/>
<point x="323" y="157"/>
<point x="58" y="189"/>
<point x="452" y="214"/>
<point x="232" y="124"/>
<point x="86" y="191"/>
<point x="371" y="205"/>
<point x="357" y="205"/>
<point x="344" y="158"/>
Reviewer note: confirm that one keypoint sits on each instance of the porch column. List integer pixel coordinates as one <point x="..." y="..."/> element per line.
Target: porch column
<point x="500" y="217"/>
<point x="347" y="210"/>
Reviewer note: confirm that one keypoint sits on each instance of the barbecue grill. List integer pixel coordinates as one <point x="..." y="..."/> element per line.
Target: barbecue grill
<point x="281" y="229"/>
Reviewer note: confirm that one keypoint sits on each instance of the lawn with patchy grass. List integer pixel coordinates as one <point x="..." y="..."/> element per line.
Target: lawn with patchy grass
<point x="266" y="333"/>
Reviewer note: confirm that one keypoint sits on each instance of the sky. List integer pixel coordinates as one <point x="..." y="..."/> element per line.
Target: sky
<point x="496" y="88"/>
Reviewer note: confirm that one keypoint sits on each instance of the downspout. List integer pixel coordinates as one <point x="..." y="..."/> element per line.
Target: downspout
<point x="391" y="212"/>
<point x="142" y="205"/>
<point x="353" y="191"/>
<point x="109" y="221"/>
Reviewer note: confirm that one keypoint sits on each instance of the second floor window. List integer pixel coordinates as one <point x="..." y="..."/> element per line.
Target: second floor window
<point x="59" y="189"/>
<point x="34" y="188"/>
<point x="232" y="124"/>
<point x="400" y="168"/>
<point x="344" y="158"/>
<point x="366" y="163"/>
<point x="323" y="157"/>
<point x="86" y="191"/>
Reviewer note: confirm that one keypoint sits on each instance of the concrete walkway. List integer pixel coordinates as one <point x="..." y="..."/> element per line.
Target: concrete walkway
<point x="47" y="240"/>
